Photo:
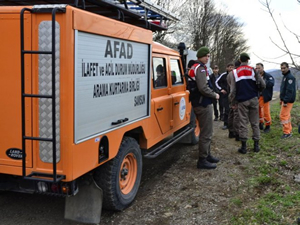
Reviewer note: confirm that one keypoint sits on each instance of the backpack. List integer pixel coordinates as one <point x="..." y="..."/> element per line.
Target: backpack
<point x="193" y="89"/>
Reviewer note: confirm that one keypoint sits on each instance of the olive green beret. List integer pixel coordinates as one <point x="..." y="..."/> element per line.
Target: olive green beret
<point x="203" y="51"/>
<point x="245" y="55"/>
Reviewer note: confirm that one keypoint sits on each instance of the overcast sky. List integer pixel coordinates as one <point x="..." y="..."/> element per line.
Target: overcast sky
<point x="259" y="27"/>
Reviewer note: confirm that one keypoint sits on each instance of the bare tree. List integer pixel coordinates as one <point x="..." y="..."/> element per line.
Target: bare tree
<point x="173" y="7"/>
<point x="202" y="25"/>
<point x="199" y="20"/>
<point x="228" y="40"/>
<point x="284" y="48"/>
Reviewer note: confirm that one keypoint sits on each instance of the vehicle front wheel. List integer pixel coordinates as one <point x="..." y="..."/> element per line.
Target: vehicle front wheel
<point x="120" y="177"/>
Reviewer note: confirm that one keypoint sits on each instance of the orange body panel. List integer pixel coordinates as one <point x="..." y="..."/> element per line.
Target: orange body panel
<point x="10" y="87"/>
<point x="75" y="159"/>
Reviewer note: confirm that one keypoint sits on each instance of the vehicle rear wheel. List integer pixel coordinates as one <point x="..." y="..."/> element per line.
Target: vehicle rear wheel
<point x="196" y="133"/>
<point x="120" y="177"/>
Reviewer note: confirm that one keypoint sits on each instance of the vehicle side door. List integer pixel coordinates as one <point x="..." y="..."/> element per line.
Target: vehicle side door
<point x="161" y="97"/>
<point x="180" y="102"/>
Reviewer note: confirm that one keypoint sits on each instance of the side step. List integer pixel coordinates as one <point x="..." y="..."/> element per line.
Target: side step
<point x="162" y="148"/>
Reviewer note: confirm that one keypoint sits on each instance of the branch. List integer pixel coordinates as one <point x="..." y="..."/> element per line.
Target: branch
<point x="263" y="60"/>
<point x="267" y="5"/>
<point x="278" y="57"/>
<point x="286" y="51"/>
<point x="296" y="35"/>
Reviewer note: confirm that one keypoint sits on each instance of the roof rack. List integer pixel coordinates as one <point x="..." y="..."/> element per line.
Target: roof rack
<point x="142" y="13"/>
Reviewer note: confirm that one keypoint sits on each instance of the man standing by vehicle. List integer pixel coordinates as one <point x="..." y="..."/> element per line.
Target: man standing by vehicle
<point x="287" y="98"/>
<point x="244" y="88"/>
<point x="202" y="105"/>
<point x="213" y="77"/>
<point x="265" y="98"/>
<point x="222" y="86"/>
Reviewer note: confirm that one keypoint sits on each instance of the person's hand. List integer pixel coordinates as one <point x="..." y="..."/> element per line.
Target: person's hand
<point x="280" y="103"/>
<point x="217" y="96"/>
<point x="224" y="92"/>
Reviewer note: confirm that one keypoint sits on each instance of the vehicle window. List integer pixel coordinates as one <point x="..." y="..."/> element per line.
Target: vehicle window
<point x="159" y="73"/>
<point x="176" y="72"/>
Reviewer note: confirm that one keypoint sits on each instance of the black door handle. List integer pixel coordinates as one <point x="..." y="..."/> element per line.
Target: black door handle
<point x="119" y="121"/>
<point x="159" y="109"/>
<point x="176" y="103"/>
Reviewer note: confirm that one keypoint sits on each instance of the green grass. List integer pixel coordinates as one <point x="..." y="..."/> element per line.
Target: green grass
<point x="271" y="209"/>
<point x="270" y="195"/>
<point x="236" y="201"/>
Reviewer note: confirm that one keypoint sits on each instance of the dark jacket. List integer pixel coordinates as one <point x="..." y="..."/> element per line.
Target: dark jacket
<point x="199" y="73"/>
<point x="213" y="79"/>
<point x="246" y="83"/>
<point x="221" y="82"/>
<point x="267" y="93"/>
<point x="288" y="88"/>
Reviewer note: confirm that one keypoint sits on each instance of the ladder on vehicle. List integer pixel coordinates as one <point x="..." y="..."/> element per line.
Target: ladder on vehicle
<point x="143" y="10"/>
<point x="35" y="175"/>
<point x="142" y="13"/>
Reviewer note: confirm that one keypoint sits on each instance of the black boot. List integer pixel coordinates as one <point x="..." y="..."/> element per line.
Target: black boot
<point x="256" y="146"/>
<point x="212" y="159"/>
<point x="267" y="129"/>
<point x="225" y="127"/>
<point x="204" y="164"/>
<point x="261" y="126"/>
<point x="243" y="149"/>
<point x="231" y="134"/>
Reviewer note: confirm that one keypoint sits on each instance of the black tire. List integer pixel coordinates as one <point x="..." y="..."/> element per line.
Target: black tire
<point x="195" y="134"/>
<point x="121" y="186"/>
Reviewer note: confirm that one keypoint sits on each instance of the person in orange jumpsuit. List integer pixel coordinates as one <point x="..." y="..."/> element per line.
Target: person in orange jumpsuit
<point x="265" y="97"/>
<point x="287" y="98"/>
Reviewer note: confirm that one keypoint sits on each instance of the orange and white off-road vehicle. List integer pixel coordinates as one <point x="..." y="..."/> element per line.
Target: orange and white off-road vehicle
<point x="84" y="98"/>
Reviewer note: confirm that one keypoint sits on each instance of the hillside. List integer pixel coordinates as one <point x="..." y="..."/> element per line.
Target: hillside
<point x="276" y="73"/>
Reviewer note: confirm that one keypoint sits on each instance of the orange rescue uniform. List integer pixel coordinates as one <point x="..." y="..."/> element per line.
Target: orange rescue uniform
<point x="264" y="112"/>
<point x="285" y="117"/>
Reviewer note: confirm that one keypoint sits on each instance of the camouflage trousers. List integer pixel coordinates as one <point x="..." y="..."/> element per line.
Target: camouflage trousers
<point x="249" y="112"/>
<point x="233" y="119"/>
<point x="205" y="118"/>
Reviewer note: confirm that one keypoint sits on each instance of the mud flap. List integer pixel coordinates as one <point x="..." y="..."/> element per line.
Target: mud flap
<point x="86" y="205"/>
<point x="187" y="139"/>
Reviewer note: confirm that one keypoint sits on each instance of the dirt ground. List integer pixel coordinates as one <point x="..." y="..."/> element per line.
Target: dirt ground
<point x="174" y="191"/>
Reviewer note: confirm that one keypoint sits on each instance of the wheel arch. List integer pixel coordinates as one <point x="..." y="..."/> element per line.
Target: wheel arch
<point x="111" y="177"/>
<point x="136" y="133"/>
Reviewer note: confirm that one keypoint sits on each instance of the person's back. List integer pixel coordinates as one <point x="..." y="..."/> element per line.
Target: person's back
<point x="245" y="90"/>
<point x="245" y="83"/>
